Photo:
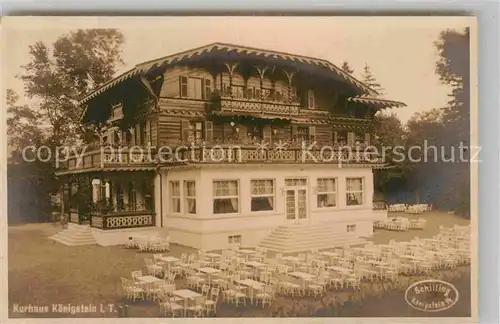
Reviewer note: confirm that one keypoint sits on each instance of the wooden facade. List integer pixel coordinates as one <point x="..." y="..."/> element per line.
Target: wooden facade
<point x="229" y="97"/>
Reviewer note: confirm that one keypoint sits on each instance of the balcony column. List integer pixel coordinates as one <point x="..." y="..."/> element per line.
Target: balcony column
<point x="132" y="136"/>
<point x="261" y="70"/>
<point x="231" y="67"/>
<point x="289" y="76"/>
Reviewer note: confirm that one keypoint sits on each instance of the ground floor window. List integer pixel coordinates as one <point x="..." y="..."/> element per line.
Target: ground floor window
<point x="225" y="196"/>
<point x="234" y="239"/>
<point x="175" y="197"/>
<point x="326" y="192"/>
<point x="354" y="191"/>
<point x="296" y="182"/>
<point x="262" y="195"/>
<point x="351" y="228"/>
<point x="190" y="197"/>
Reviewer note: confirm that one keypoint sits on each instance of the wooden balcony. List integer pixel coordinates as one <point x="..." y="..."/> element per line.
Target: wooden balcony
<point x="238" y="154"/>
<point x="104" y="157"/>
<point x="122" y="219"/>
<point x="227" y="105"/>
<point x="379" y="205"/>
<point x="219" y="153"/>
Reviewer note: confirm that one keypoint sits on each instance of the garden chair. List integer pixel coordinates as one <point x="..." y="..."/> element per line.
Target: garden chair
<point x="152" y="268"/>
<point x="135" y="274"/>
<point x="197" y="307"/>
<point x="266" y="296"/>
<point x="171" y="307"/>
<point x="211" y="301"/>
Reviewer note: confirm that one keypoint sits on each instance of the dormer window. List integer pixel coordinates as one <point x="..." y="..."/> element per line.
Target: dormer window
<point x="310" y="99"/>
<point x="116" y="112"/>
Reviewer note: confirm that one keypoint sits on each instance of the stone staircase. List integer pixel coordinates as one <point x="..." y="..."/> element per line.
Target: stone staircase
<point x="75" y="235"/>
<point x="305" y="237"/>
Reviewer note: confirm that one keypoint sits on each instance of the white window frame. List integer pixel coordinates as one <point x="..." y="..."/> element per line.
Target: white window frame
<point x="273" y="195"/>
<point x="351" y="228"/>
<point x="334" y="192"/>
<point x="172" y="196"/>
<point x="362" y="191"/>
<point x="237" y="196"/>
<point x="187" y="198"/>
<point x="231" y="239"/>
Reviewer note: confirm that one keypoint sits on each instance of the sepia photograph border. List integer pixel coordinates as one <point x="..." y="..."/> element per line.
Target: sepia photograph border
<point x="12" y="22"/>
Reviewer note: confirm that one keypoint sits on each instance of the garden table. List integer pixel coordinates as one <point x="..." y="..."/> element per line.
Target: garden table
<point x="148" y="279"/>
<point x="302" y="275"/>
<point x="169" y="259"/>
<point x="186" y="294"/>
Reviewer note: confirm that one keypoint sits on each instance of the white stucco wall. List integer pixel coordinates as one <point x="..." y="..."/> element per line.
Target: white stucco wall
<point x="207" y="230"/>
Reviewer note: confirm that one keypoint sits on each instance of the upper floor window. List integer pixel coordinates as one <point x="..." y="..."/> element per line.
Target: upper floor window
<point x="196" y="131"/>
<point x="359" y="138"/>
<point x="116" y="112"/>
<point x="341" y="138"/>
<point x="310" y="99"/>
<point x="194" y="88"/>
<point x="302" y="134"/>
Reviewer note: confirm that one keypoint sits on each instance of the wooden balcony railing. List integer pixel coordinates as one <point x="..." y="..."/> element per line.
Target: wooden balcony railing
<point x="105" y="157"/>
<point x="124" y="219"/>
<point x="379" y="205"/>
<point x="231" y="105"/>
<point x="223" y="153"/>
<point x="236" y="154"/>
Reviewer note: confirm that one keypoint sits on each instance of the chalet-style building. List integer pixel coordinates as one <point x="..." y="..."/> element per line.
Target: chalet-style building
<point x="223" y="144"/>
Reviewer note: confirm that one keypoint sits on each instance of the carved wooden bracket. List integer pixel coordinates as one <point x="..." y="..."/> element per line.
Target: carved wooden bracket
<point x="289" y="75"/>
<point x="231" y="67"/>
<point x="261" y="70"/>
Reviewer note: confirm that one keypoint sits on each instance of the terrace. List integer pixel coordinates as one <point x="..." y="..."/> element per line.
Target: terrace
<point x="41" y="272"/>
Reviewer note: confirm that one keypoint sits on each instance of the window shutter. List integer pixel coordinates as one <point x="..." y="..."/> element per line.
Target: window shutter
<point x="147" y="136"/>
<point x="183" y="86"/>
<point x="111" y="137"/>
<point x="367" y="138"/>
<point x="138" y="134"/>
<point x="185" y="130"/>
<point x="312" y="133"/>
<point x="242" y="131"/>
<point x="310" y="99"/>
<point x="153" y="127"/>
<point x="293" y="131"/>
<point x="207" y="89"/>
<point x="209" y="131"/>
<point x="132" y="136"/>
<point x="180" y="86"/>
<point x="350" y="138"/>
<point x="124" y="137"/>
<point x="266" y="134"/>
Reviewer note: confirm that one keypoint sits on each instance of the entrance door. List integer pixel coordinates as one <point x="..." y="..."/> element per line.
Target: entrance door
<point x="296" y="204"/>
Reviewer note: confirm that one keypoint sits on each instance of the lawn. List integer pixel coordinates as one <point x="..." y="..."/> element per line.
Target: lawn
<point x="42" y="272"/>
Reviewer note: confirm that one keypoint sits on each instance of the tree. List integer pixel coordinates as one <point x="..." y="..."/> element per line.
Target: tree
<point x="347" y="68"/>
<point x="389" y="134"/>
<point x="369" y="79"/>
<point x="453" y="68"/>
<point x="57" y="78"/>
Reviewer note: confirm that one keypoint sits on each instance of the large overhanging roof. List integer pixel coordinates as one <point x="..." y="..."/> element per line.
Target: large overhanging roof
<point x="228" y="49"/>
<point x="377" y="102"/>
